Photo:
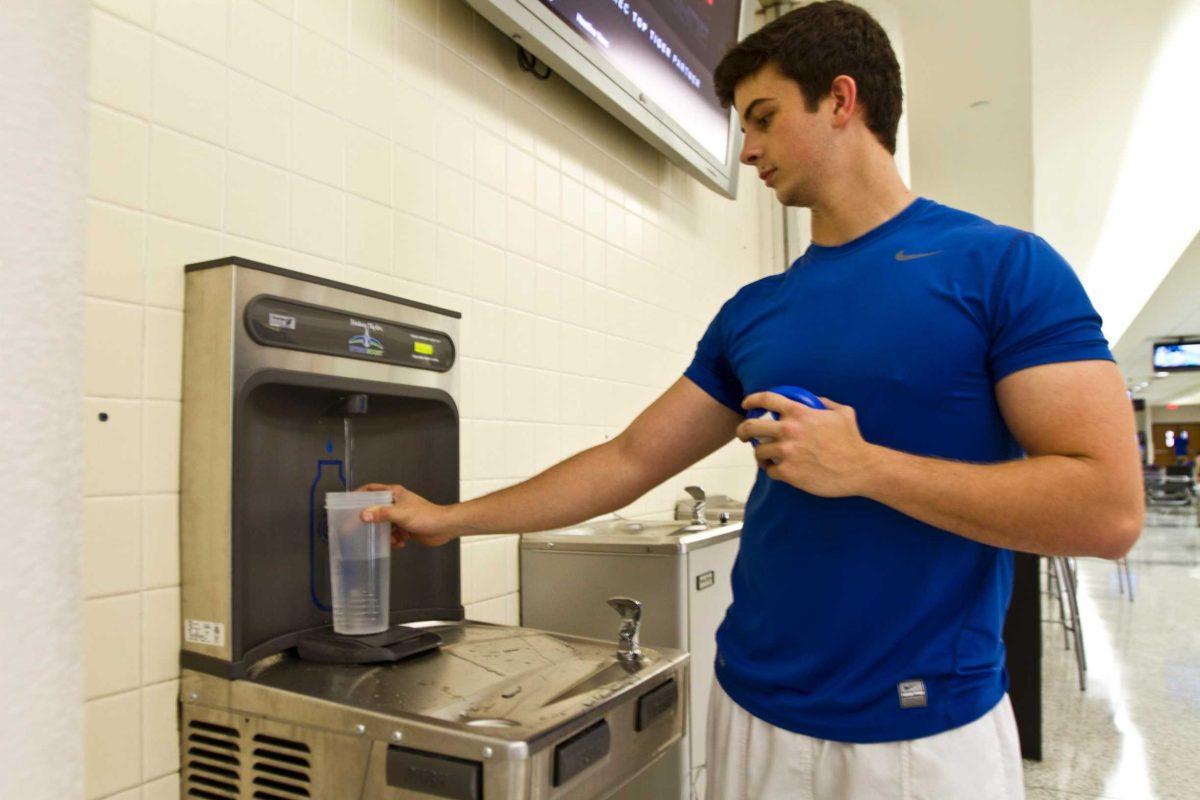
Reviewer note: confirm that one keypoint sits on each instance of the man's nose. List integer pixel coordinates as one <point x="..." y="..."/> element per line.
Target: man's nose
<point x="751" y="152"/>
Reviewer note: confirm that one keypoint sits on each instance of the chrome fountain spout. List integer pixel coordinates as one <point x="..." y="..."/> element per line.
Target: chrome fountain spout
<point x="699" y="520"/>
<point x="630" y="610"/>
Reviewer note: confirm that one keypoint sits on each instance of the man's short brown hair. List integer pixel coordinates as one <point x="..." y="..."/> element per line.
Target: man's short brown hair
<point x="814" y="44"/>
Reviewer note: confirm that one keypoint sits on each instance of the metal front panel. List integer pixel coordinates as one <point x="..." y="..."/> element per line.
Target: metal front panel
<point x="567" y="592"/>
<point x="222" y="364"/>
<point x="711" y="569"/>
<point x="562" y="588"/>
<point x="346" y="718"/>
<point x="228" y="753"/>
<point x="206" y="456"/>
<point x="225" y="754"/>
<point x="487" y="682"/>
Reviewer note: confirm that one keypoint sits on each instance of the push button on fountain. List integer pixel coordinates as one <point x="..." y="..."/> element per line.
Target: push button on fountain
<point x="654" y="703"/>
<point x="441" y="776"/>
<point x="580" y="752"/>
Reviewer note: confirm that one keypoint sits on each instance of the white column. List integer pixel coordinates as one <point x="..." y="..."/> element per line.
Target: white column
<point x="43" y="146"/>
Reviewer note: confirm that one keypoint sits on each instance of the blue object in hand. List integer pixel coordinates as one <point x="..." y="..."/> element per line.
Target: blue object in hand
<point x="794" y="393"/>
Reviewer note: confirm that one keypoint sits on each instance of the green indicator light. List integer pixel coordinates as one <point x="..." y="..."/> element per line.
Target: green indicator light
<point x="421" y="348"/>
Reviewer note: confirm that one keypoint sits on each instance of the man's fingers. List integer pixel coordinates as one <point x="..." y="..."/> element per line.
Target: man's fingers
<point x="758" y="428"/>
<point x="376" y="514"/>
<point x="769" y="401"/>
<point x="771" y="452"/>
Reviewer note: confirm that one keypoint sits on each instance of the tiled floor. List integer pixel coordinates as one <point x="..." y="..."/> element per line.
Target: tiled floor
<point x="1135" y="733"/>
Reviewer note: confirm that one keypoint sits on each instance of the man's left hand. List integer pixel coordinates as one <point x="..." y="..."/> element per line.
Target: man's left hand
<point x="819" y="452"/>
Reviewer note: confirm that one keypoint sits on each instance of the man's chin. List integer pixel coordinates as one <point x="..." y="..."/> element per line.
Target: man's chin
<point x="790" y="196"/>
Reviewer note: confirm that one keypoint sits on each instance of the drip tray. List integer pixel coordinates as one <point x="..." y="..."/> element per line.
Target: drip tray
<point x="394" y="644"/>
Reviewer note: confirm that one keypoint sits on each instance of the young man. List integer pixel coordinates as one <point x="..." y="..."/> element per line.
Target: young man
<point x="973" y="410"/>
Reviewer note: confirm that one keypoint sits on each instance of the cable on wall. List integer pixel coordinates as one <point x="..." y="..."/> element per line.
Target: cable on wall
<point x="529" y="62"/>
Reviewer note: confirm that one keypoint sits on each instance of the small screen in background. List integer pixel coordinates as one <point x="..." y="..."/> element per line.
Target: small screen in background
<point x="668" y="49"/>
<point x="1177" y="355"/>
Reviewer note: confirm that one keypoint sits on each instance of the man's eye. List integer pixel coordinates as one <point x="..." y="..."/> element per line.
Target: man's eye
<point x="764" y="120"/>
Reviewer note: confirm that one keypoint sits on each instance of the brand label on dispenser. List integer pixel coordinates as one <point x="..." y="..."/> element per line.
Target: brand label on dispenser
<point x="199" y="631"/>
<point x="705" y="579"/>
<point x="281" y="321"/>
<point x="366" y="342"/>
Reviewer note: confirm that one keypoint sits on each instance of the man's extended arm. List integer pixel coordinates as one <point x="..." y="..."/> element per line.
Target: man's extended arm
<point x="682" y="426"/>
<point x="1077" y="493"/>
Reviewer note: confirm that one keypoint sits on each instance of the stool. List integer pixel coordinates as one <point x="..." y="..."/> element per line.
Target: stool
<point x="1063" y="584"/>
<point x="1124" y="577"/>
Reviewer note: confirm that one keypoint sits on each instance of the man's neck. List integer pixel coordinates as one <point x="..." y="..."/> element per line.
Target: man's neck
<point x="865" y="197"/>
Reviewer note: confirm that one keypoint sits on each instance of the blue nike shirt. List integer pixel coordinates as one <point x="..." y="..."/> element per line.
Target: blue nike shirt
<point x="851" y="621"/>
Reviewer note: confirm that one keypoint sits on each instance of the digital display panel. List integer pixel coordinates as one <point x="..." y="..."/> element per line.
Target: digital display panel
<point x="668" y="49"/>
<point x="649" y="63"/>
<point x="1177" y="356"/>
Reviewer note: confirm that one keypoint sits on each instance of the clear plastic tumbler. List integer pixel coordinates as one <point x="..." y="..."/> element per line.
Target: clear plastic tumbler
<point x="360" y="555"/>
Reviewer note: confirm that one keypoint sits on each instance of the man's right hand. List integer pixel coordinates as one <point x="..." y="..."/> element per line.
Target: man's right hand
<point x="413" y="518"/>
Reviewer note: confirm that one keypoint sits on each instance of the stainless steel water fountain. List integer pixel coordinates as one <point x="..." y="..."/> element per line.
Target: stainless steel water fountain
<point x="286" y="376"/>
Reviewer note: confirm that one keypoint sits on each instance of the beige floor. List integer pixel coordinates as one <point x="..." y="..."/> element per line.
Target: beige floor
<point x="1135" y="733"/>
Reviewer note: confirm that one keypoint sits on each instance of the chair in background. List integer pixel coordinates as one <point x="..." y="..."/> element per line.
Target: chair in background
<point x="1169" y="487"/>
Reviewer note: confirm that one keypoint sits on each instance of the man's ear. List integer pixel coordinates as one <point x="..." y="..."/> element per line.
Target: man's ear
<point x="844" y="92"/>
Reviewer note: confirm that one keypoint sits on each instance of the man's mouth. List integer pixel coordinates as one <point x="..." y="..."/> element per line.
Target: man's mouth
<point x="767" y="176"/>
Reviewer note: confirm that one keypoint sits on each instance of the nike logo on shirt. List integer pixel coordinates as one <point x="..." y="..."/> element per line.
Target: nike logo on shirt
<point x="903" y="256"/>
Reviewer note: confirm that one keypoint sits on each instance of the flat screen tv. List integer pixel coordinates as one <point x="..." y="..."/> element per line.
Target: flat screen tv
<point x="1178" y="356"/>
<point x="649" y="63"/>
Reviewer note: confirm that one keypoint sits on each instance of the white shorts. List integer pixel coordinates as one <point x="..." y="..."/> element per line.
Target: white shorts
<point x="749" y="759"/>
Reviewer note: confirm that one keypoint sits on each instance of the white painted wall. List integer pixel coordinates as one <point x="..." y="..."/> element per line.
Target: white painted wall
<point x="969" y="105"/>
<point x="392" y="144"/>
<point x="42" y="161"/>
<point x="1164" y="414"/>
<point x="1114" y="130"/>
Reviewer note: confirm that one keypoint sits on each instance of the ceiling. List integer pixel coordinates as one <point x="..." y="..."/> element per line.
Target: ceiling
<point x="1173" y="310"/>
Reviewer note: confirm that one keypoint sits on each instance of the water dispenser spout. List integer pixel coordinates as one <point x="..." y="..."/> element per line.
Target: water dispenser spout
<point x="349" y="405"/>
<point x="631" y="623"/>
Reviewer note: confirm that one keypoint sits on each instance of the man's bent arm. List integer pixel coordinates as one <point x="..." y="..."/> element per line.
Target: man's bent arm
<point x="1079" y="491"/>
<point x="682" y="426"/>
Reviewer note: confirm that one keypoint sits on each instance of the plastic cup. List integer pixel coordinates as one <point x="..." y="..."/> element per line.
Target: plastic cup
<point x="360" y="563"/>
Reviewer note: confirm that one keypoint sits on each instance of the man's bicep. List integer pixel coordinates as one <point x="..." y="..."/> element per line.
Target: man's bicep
<point x="1076" y="408"/>
<point x="682" y="426"/>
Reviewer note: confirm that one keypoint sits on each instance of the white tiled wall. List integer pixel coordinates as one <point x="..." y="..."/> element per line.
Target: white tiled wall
<point x="392" y="144"/>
